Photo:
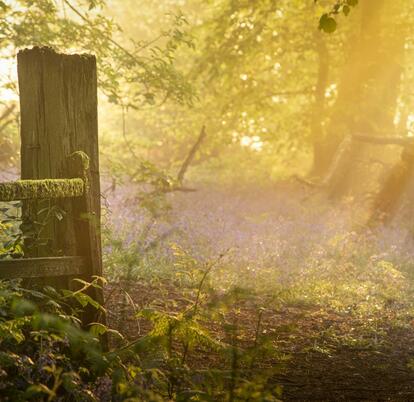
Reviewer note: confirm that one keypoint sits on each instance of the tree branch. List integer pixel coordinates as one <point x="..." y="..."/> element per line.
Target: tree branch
<point x="403" y="141"/>
<point x="191" y="155"/>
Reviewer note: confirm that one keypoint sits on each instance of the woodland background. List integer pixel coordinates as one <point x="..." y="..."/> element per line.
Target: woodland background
<point x="245" y="251"/>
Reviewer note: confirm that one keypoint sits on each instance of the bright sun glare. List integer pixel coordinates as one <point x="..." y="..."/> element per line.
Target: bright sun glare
<point x="8" y="74"/>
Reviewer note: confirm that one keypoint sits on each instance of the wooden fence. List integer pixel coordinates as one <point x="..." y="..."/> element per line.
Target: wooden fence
<point x="59" y="162"/>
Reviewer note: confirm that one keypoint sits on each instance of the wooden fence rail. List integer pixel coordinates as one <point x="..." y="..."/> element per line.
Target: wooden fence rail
<point x="29" y="268"/>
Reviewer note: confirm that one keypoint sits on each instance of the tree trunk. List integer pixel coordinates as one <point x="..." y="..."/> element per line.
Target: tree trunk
<point x="368" y="88"/>
<point x="318" y="109"/>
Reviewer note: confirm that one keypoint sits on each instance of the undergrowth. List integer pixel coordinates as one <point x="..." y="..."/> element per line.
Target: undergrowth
<point x="188" y="325"/>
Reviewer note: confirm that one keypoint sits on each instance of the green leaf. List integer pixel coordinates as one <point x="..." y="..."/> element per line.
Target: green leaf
<point x="346" y="10"/>
<point x="71" y="381"/>
<point x="39" y="389"/>
<point x="97" y="329"/>
<point x="22" y="307"/>
<point x="352" y="3"/>
<point x="327" y="24"/>
<point x="85" y="300"/>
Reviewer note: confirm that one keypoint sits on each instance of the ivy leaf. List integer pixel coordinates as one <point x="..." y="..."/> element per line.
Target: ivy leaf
<point x="352" y="3"/>
<point x="327" y="24"/>
<point x="346" y="10"/>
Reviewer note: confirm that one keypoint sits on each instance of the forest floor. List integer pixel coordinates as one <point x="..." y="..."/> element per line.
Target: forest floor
<point x="330" y="305"/>
<point x="323" y="355"/>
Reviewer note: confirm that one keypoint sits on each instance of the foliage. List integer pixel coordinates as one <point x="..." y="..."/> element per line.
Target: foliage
<point x="10" y="235"/>
<point x="224" y="311"/>
<point x="133" y="75"/>
<point x="44" y="352"/>
<point x="327" y="23"/>
<point x="46" y="355"/>
<point x="19" y="236"/>
<point x="254" y="105"/>
<point x="269" y="81"/>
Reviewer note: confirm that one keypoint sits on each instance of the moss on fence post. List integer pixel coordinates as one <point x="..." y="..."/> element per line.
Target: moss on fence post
<point x="79" y="166"/>
<point x="41" y="189"/>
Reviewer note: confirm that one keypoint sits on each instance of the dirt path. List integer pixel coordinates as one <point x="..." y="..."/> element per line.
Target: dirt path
<point x="321" y="355"/>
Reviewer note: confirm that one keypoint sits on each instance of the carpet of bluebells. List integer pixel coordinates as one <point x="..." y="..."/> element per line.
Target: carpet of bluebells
<point x="319" y="280"/>
<point x="284" y="230"/>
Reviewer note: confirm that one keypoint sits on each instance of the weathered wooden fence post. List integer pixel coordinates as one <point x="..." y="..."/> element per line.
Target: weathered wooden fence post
<point x="58" y="100"/>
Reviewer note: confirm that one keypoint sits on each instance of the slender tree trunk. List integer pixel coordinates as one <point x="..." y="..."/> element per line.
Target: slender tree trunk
<point x="318" y="109"/>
